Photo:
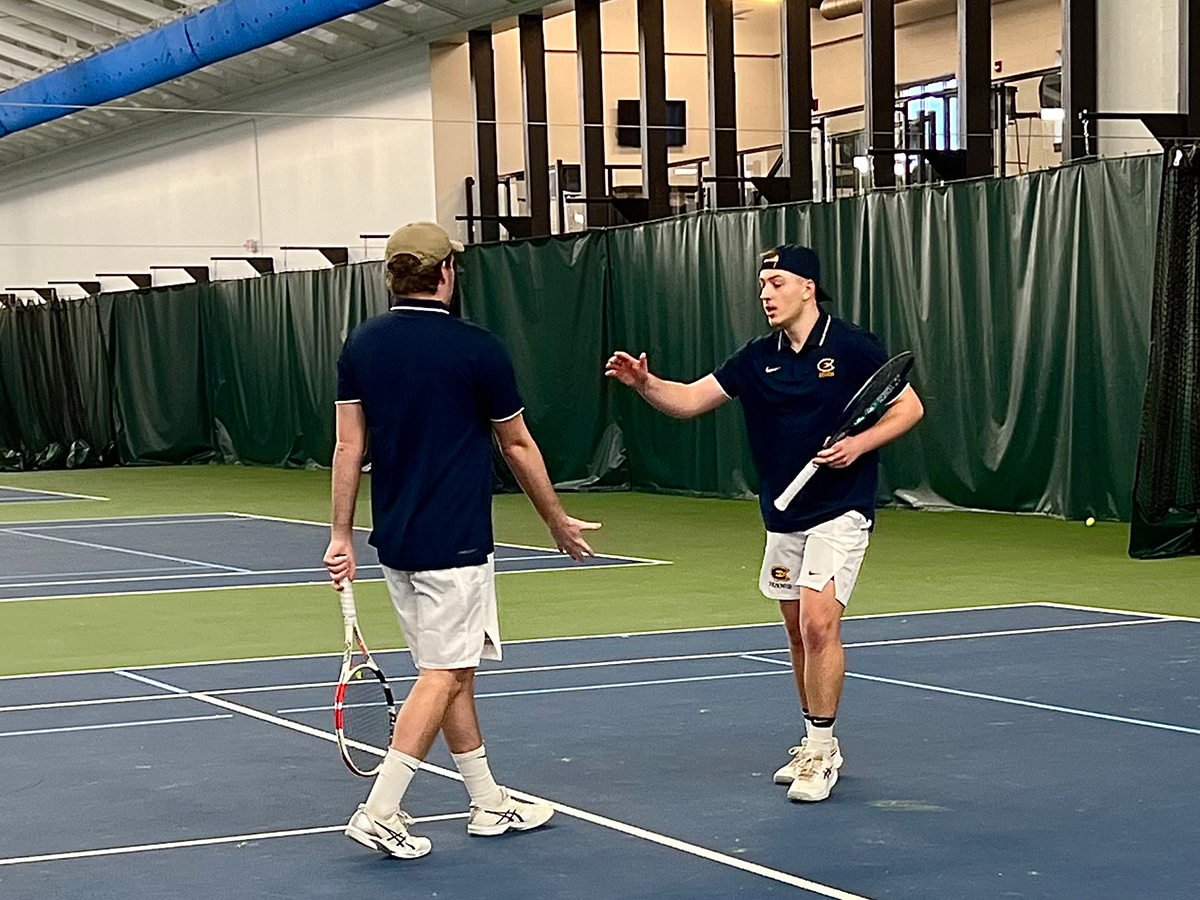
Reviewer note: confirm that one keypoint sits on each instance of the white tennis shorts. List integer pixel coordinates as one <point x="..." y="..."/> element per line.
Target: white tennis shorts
<point x="448" y="616"/>
<point x="833" y="549"/>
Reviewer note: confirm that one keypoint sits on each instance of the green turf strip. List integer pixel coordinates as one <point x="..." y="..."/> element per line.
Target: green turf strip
<point x="917" y="560"/>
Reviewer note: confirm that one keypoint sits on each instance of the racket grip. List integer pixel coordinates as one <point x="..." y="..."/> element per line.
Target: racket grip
<point x="790" y="492"/>
<point x="346" y="596"/>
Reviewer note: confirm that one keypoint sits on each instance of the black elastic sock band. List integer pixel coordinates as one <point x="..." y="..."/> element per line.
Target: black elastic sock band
<point x="821" y="721"/>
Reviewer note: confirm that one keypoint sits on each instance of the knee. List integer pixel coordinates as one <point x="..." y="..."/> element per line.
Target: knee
<point x="818" y="634"/>
<point x="451" y="681"/>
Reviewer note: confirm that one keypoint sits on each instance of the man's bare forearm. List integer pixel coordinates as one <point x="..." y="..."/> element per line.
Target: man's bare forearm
<point x="347" y="469"/>
<point x="899" y="419"/>
<point x="674" y="398"/>
<point x="529" y="467"/>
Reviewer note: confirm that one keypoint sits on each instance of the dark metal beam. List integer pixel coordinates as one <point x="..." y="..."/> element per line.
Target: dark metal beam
<point x="263" y="265"/>
<point x="591" y="109"/>
<point x="1189" y="63"/>
<point x="487" y="169"/>
<point x="652" y="59"/>
<point x="879" y="46"/>
<point x="200" y="274"/>
<point x="722" y="104"/>
<point x="975" y="86"/>
<point x="795" y="31"/>
<point x="537" y="144"/>
<point x="1079" y="73"/>
<point x="91" y="288"/>
<point x="140" y="279"/>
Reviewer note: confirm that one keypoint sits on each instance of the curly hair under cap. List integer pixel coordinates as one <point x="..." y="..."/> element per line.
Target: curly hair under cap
<point x="406" y="275"/>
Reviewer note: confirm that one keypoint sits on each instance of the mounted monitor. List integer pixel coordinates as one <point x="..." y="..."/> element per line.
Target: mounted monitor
<point x="629" y="122"/>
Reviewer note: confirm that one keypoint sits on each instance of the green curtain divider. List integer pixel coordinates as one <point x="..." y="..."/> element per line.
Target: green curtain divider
<point x="156" y="345"/>
<point x="1027" y="304"/>
<point x="545" y="300"/>
<point x="55" y="387"/>
<point x="1026" y="301"/>
<point x="271" y="348"/>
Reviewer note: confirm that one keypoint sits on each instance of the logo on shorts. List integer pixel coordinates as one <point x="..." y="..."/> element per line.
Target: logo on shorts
<point x="780" y="573"/>
<point x="825" y="368"/>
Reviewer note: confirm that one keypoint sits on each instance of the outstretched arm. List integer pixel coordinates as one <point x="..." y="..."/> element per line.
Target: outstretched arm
<point x="525" y="460"/>
<point x="682" y="401"/>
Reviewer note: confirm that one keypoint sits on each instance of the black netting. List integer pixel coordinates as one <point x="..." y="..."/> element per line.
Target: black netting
<point x="1167" y="484"/>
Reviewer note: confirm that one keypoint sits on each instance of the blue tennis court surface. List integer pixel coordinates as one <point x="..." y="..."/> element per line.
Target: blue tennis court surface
<point x="1036" y="751"/>
<point x="28" y="495"/>
<point x="85" y="557"/>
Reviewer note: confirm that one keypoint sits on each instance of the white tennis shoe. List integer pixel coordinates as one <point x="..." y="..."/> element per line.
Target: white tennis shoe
<point x="786" y="774"/>
<point x="509" y="814"/>
<point x="816" y="774"/>
<point x="388" y="835"/>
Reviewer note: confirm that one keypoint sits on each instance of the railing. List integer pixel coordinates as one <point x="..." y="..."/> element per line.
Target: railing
<point x="925" y="126"/>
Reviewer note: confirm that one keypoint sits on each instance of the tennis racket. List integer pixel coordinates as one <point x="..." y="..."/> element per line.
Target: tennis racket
<point x="364" y="711"/>
<point x="881" y="388"/>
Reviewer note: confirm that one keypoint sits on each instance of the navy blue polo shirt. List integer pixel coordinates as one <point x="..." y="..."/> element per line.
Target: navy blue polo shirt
<point x="430" y="385"/>
<point x="792" y="402"/>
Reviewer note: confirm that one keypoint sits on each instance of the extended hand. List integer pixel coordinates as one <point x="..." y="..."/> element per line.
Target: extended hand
<point x="627" y="370"/>
<point x="841" y="454"/>
<point x="568" y="537"/>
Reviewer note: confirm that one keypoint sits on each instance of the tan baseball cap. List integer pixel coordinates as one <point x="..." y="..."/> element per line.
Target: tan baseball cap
<point x="427" y="241"/>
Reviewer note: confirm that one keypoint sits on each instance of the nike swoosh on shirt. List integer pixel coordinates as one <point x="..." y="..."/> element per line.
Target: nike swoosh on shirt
<point x="771" y="369"/>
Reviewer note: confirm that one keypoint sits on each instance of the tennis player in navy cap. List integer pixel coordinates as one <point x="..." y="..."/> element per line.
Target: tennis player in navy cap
<point x="793" y="384"/>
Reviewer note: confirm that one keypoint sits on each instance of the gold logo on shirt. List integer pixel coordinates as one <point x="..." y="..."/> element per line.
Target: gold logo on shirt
<point x="825" y="368"/>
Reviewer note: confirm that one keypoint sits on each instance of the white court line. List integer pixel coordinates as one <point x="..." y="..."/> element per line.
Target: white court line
<point x="199" y="842"/>
<point x="108" y="725"/>
<point x="127" y="521"/>
<point x="9" y="487"/>
<point x="60" y="540"/>
<point x="617" y="635"/>
<point x="246" y="515"/>
<point x="529" y="692"/>
<point x="250" y="586"/>
<point x="1011" y="701"/>
<point x="550" y="550"/>
<point x="234" y="573"/>
<point x="22" y="580"/>
<point x="1104" y="609"/>
<point x="640" y="559"/>
<point x="148" y="592"/>
<point x="744" y="654"/>
<point x="612" y="824"/>
<point x="559" y="667"/>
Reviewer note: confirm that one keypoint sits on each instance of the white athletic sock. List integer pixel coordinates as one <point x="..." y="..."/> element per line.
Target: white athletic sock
<point x="819" y="737"/>
<point x="477" y="776"/>
<point x="392" y="781"/>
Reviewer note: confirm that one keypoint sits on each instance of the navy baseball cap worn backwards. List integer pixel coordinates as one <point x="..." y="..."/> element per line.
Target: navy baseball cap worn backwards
<point x="802" y="261"/>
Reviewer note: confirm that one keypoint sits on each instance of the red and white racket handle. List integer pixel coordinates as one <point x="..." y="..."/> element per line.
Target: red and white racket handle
<point x="790" y="492"/>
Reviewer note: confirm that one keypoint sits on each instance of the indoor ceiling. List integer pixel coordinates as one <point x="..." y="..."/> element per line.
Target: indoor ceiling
<point x="38" y="36"/>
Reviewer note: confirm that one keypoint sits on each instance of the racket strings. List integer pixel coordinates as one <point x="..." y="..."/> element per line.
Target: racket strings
<point x="367" y="718"/>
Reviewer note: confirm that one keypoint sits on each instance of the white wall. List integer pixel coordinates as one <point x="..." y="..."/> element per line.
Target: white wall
<point x="325" y="160"/>
<point x="1026" y="35"/>
<point x="1138" y="52"/>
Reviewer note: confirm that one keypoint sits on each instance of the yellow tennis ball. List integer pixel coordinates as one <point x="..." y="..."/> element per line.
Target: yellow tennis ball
<point x="1089" y="521"/>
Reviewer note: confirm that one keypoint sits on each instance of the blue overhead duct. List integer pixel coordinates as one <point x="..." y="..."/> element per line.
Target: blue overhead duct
<point x="217" y="32"/>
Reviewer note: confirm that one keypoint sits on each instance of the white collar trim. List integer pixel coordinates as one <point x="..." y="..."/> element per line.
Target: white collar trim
<point x="431" y="309"/>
